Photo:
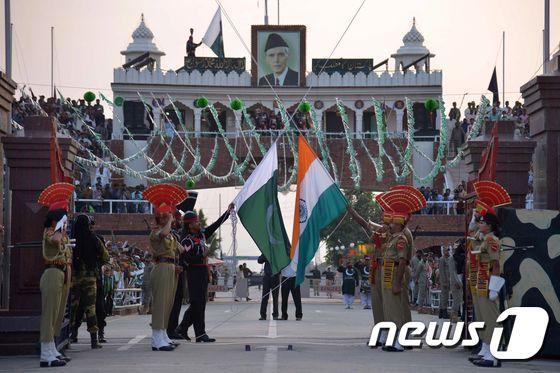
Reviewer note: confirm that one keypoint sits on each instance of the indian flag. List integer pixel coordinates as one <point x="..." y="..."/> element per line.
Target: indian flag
<point x="259" y="211"/>
<point x="318" y="202"/>
<point x="214" y="37"/>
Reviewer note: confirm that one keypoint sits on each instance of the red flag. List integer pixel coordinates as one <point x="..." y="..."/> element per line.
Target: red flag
<point x="487" y="170"/>
<point x="57" y="169"/>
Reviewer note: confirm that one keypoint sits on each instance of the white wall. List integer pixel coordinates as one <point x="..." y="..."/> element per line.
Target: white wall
<point x="139" y="164"/>
<point x="421" y="165"/>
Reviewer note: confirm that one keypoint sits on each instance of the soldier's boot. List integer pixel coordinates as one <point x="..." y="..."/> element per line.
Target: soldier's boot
<point x="74" y="335"/>
<point x="444" y="314"/>
<point x="94" y="341"/>
<point x="440" y="313"/>
<point x="101" y="336"/>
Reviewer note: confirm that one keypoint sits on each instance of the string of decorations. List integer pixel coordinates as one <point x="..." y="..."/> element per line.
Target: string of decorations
<point x="401" y="168"/>
<point x="354" y="165"/>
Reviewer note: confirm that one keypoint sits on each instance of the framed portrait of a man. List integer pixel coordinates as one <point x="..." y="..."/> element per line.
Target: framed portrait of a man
<point x="279" y="52"/>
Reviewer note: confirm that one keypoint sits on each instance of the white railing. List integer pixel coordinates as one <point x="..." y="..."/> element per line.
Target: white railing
<point x="138" y="206"/>
<point x="127" y="297"/>
<point x="441" y="207"/>
<point x="234" y="79"/>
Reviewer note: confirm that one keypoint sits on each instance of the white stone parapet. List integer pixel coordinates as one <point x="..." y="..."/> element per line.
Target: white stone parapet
<point x="234" y="79"/>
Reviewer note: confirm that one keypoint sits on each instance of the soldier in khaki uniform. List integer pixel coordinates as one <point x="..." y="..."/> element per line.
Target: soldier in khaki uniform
<point x="165" y="249"/>
<point x="379" y="235"/>
<point x="489" y="282"/>
<point x="398" y="204"/>
<point x="55" y="280"/>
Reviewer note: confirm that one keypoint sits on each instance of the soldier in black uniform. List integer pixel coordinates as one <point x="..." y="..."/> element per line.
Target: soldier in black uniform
<point x="193" y="239"/>
<point x="271" y="283"/>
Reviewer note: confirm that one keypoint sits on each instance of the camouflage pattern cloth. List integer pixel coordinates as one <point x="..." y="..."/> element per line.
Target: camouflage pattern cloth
<point x="84" y="293"/>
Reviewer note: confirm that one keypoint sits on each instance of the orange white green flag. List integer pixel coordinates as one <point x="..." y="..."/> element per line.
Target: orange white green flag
<point x="318" y="202"/>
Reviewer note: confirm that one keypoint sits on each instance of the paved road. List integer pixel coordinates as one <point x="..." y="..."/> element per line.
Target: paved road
<point x="328" y="339"/>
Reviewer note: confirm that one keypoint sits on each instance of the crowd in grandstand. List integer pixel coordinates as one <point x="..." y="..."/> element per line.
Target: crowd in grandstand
<point x="71" y="116"/>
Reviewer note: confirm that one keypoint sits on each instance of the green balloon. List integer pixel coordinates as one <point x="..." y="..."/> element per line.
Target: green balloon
<point x="236" y="104"/>
<point x="431" y="105"/>
<point x="89" y="96"/>
<point x="189" y="184"/>
<point x="304" y="107"/>
<point x="201" y="102"/>
<point x="119" y="101"/>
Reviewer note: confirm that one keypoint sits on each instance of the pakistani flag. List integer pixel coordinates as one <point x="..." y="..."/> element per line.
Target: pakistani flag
<point x="258" y="209"/>
<point x="213" y="37"/>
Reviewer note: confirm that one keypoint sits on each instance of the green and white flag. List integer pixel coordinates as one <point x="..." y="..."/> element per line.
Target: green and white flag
<point x="214" y="37"/>
<point x="259" y="211"/>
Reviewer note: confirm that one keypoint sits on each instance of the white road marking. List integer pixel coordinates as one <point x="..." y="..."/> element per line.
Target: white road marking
<point x="318" y="311"/>
<point x="131" y="343"/>
<point x="271" y="355"/>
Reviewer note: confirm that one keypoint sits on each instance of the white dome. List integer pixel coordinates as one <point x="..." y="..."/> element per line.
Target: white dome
<point x="413" y="43"/>
<point x="142" y="32"/>
<point x="142" y="41"/>
<point x="413" y="36"/>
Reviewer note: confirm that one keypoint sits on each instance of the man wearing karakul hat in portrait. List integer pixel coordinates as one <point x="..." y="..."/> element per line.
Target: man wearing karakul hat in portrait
<point x="277" y="55"/>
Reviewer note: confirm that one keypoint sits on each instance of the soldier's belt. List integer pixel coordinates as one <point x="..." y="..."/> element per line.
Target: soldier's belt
<point x="165" y="260"/>
<point x="483" y="278"/>
<point x="388" y="270"/>
<point x="62" y="267"/>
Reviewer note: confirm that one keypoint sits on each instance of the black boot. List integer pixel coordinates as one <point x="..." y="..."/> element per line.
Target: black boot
<point x="101" y="336"/>
<point x="445" y="315"/>
<point x="94" y="342"/>
<point x="440" y="313"/>
<point x="74" y="335"/>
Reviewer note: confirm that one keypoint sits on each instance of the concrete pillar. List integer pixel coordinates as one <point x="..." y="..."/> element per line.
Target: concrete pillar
<point x="29" y="170"/>
<point x="359" y="123"/>
<point x="237" y="115"/>
<point x="512" y="164"/>
<point x="543" y="107"/>
<point x="399" y="115"/>
<point x="197" y="121"/>
<point x="438" y="119"/>
<point x="319" y="116"/>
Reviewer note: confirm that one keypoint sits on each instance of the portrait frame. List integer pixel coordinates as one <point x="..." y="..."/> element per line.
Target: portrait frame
<point x="258" y="68"/>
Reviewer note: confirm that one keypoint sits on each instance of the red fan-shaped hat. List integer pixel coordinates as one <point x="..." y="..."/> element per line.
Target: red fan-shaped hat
<point x="387" y="214"/>
<point x="165" y="197"/>
<point x="400" y="203"/>
<point x="56" y="196"/>
<point x="490" y="195"/>
<point x="410" y="189"/>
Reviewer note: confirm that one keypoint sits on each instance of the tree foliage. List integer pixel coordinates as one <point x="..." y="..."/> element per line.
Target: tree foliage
<point x="349" y="231"/>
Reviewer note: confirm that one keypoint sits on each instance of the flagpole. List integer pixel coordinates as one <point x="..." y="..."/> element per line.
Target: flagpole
<point x="503" y="68"/>
<point x="266" y="12"/>
<point x="278" y="12"/>
<point x="546" y="36"/>
<point x="52" y="61"/>
<point x="8" y="42"/>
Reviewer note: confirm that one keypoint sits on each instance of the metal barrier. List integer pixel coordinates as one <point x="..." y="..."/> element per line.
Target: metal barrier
<point x="438" y="207"/>
<point x="137" y="206"/>
<point x="130" y="297"/>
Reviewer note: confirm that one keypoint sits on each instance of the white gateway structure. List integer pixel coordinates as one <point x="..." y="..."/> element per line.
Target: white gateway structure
<point x="353" y="81"/>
